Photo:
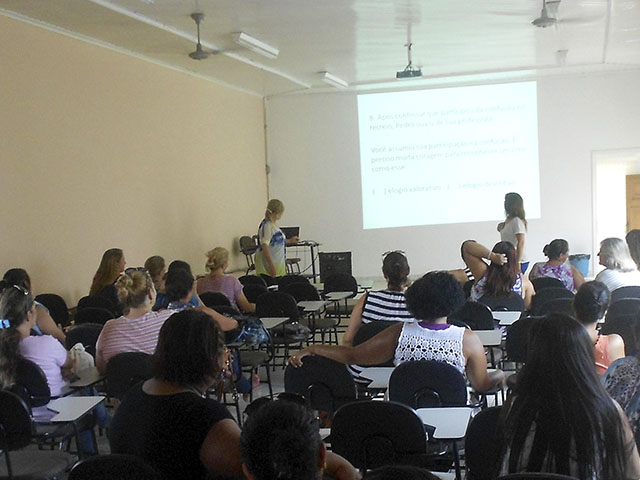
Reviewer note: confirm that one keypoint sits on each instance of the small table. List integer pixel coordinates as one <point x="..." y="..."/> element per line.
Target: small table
<point x="379" y="376"/>
<point x="272" y="322"/>
<point x="337" y="296"/>
<point x="450" y="424"/>
<point x="312" y="306"/>
<point x="489" y="338"/>
<point x="506" y="318"/>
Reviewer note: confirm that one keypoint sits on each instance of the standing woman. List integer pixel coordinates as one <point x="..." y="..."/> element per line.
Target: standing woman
<point x="514" y="228"/>
<point x="270" y="256"/>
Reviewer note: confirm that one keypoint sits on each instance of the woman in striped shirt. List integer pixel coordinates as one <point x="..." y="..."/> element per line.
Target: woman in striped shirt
<point x="137" y="330"/>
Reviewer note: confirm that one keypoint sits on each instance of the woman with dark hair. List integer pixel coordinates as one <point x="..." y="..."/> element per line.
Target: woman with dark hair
<point x="560" y="419"/>
<point x="162" y="299"/>
<point x="620" y="269"/>
<point x="514" y="228"/>
<point x="17" y="318"/>
<point x="383" y="305"/>
<point x="633" y="242"/>
<point x="590" y="304"/>
<point x="45" y="325"/>
<point x="167" y="420"/>
<point x="557" y="266"/>
<point x="281" y="441"/>
<point x="430" y="300"/>
<point x="156" y="267"/>
<point x="501" y="276"/>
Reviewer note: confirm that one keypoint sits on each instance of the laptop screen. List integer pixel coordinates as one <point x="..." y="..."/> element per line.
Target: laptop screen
<point x="290" y="232"/>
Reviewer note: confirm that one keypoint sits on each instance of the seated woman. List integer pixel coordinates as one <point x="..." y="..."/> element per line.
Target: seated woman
<point x="45" y="325"/>
<point x="501" y="276"/>
<point x="161" y="294"/>
<point x="167" y="420"/>
<point x="217" y="281"/>
<point x="557" y="266"/>
<point x="430" y="300"/>
<point x="181" y="286"/>
<point x="281" y="440"/>
<point x="590" y="304"/>
<point x="622" y="382"/>
<point x="137" y="331"/>
<point x="17" y="318"/>
<point x="110" y="268"/>
<point x="560" y="419"/>
<point x="620" y="269"/>
<point x="156" y="267"/>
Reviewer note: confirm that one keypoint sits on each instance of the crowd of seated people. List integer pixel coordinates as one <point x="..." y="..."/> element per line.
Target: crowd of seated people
<point x="168" y="422"/>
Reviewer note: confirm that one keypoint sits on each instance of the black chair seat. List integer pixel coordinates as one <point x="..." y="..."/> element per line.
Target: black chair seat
<point x="320" y="323"/>
<point x="87" y="334"/>
<point x="253" y="358"/>
<point x="546" y="295"/>
<point x="474" y="314"/>
<point x="93" y="315"/>
<point x="44" y="465"/>
<point x="541" y="283"/>
<point x="57" y="307"/>
<point x="113" y="467"/>
<point x="125" y="370"/>
<point x="215" y="299"/>
<point x="512" y="302"/>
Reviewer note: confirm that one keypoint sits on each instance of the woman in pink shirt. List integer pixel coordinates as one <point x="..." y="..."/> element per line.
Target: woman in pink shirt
<point x="17" y="318"/>
<point x="217" y="281"/>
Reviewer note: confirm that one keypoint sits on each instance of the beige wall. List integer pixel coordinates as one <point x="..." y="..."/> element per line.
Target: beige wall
<point x="102" y="150"/>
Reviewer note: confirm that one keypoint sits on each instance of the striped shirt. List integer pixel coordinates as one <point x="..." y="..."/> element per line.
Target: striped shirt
<point x="131" y="334"/>
<point x="385" y="305"/>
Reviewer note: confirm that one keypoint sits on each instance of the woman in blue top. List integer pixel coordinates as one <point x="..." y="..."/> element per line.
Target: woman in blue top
<point x="270" y="256"/>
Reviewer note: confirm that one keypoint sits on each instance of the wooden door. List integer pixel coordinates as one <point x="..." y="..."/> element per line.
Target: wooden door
<point x="633" y="202"/>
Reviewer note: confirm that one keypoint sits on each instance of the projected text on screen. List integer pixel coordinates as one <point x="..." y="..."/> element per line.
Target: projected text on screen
<point x="447" y="155"/>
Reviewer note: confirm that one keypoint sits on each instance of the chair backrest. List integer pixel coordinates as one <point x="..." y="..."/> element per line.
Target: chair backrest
<point x="481" y="447"/>
<point x="372" y="434"/>
<point x="301" y="291"/>
<point x="277" y="304"/>
<point x="541" y="283"/>
<point x="15" y="422"/>
<point x="31" y="383"/>
<point x="92" y="315"/>
<point x="370" y="330"/>
<point x="87" y="334"/>
<point x="625" y="326"/>
<point x="476" y="315"/>
<point x="535" y="476"/>
<point x="518" y="339"/>
<point x="427" y="383"/>
<point x="248" y="245"/>
<point x="97" y="301"/>
<point x="57" y="307"/>
<point x="214" y="299"/>
<point x="289" y="279"/>
<point x="546" y="295"/>
<point x="113" y="467"/>
<point x="558" y="305"/>
<point x="252" y="280"/>
<point x="630" y="291"/>
<point x="125" y="370"/>
<point x="466" y="288"/>
<point x="253" y="290"/>
<point x="340" y="282"/>
<point x="334" y="262"/>
<point x="512" y="302"/>
<point x="326" y="384"/>
<point x="624" y="306"/>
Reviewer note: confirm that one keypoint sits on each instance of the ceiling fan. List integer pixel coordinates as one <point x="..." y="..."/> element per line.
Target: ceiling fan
<point x="199" y="53"/>
<point x="549" y="15"/>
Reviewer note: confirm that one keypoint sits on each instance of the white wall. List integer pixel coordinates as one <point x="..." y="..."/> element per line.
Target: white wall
<point x="312" y="148"/>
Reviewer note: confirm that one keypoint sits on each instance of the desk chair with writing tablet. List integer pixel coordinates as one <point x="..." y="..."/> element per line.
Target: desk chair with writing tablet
<point x="513" y="302"/>
<point x="304" y="291"/>
<point x="540" y="283"/>
<point x="546" y="295"/>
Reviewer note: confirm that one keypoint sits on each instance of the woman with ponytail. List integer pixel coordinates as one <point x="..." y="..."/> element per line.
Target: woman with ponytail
<point x="557" y="266"/>
<point x="270" y="256"/>
<point x="17" y="318"/>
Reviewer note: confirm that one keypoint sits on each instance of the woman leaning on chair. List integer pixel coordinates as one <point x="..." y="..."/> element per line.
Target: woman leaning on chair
<point x="430" y="300"/>
<point x="137" y="331"/>
<point x="560" y="419"/>
<point x="557" y="251"/>
<point x="168" y="422"/>
<point x="501" y="276"/>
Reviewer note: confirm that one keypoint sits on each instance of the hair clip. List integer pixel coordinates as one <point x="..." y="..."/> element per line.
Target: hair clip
<point x="4" y="323"/>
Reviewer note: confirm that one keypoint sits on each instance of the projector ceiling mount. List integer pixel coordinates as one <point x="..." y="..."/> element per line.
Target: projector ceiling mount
<point x="200" y="53"/>
<point x="409" y="71"/>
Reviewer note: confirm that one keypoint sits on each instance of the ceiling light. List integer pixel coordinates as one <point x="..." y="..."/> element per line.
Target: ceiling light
<point x="255" y="45"/>
<point x="333" y="80"/>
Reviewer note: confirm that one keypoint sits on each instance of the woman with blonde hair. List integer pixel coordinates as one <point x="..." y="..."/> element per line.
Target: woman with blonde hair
<point x="137" y="331"/>
<point x="620" y="269"/>
<point x="271" y="256"/>
<point x="217" y="281"/>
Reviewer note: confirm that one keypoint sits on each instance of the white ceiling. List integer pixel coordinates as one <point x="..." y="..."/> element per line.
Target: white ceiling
<point x="359" y="41"/>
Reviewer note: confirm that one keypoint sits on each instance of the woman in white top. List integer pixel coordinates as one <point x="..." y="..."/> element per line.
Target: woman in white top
<point x="430" y="299"/>
<point x="621" y="270"/>
<point x="514" y="227"/>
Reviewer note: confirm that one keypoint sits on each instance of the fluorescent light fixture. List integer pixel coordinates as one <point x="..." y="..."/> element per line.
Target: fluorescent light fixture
<point x="255" y="45"/>
<point x="333" y="80"/>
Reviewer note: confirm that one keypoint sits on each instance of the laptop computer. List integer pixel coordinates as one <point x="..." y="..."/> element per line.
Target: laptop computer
<point x="290" y="232"/>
